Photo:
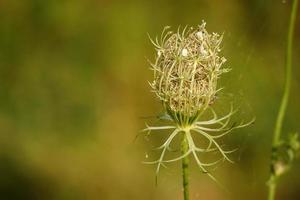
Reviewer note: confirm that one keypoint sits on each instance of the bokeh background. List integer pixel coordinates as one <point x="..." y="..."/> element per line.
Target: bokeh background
<point x="74" y="95"/>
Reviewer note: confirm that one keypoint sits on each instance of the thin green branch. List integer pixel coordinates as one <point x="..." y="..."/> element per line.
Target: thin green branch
<point x="285" y="98"/>
<point x="185" y="167"/>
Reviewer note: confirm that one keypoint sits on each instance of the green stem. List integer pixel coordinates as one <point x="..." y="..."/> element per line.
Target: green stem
<point x="285" y="98"/>
<point x="272" y="189"/>
<point x="288" y="64"/>
<point x="185" y="167"/>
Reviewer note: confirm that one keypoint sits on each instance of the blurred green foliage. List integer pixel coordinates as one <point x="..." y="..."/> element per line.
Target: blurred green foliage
<point x="74" y="93"/>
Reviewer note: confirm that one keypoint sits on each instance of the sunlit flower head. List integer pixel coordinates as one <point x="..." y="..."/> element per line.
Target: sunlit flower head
<point x="186" y="71"/>
<point x="187" y="67"/>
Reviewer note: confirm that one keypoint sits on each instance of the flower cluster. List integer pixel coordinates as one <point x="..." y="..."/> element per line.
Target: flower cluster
<point x="186" y="70"/>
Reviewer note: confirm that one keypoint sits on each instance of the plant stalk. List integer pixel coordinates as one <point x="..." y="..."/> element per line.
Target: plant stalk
<point x="285" y="97"/>
<point x="185" y="167"/>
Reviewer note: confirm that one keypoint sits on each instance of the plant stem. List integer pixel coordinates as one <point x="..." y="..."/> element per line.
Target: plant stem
<point x="185" y="167"/>
<point x="288" y="64"/>
<point x="272" y="189"/>
<point x="285" y="97"/>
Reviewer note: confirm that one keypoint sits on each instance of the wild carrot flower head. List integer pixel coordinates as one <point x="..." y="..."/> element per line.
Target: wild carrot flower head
<point x="186" y="71"/>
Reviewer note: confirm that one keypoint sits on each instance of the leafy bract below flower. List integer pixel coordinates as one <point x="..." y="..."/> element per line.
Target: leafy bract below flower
<point x="186" y="71"/>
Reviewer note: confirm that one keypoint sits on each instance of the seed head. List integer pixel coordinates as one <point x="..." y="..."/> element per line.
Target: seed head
<point x="186" y="71"/>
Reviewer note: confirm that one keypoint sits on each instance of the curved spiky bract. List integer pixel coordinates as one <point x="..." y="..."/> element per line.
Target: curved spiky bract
<point x="186" y="71"/>
<point x="207" y="129"/>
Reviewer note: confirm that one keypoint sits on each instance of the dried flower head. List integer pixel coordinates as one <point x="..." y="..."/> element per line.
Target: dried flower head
<point x="186" y="71"/>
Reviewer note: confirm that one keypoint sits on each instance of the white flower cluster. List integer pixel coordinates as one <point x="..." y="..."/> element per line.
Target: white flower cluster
<point x="186" y="71"/>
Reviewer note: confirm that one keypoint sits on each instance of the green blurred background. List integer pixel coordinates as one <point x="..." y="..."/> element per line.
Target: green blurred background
<point x="74" y="94"/>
